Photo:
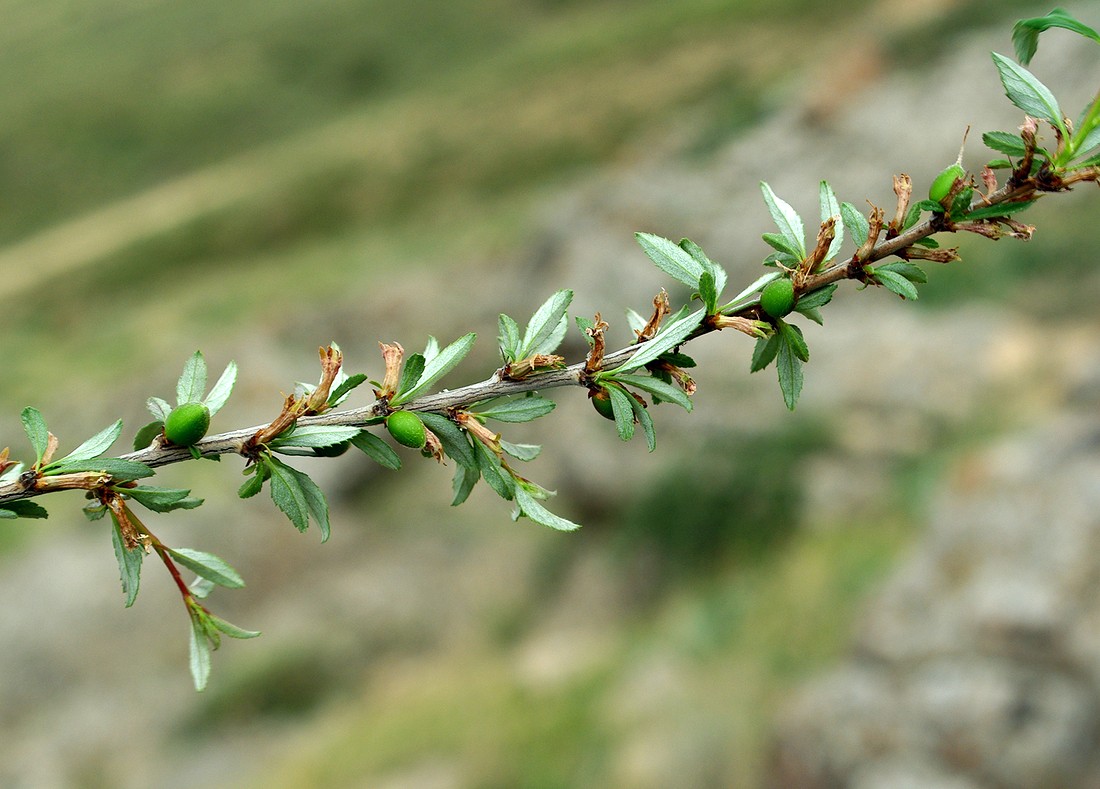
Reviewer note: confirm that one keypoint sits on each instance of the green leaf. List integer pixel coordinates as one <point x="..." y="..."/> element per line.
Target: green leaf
<point x="812" y="313"/>
<point x="377" y="449"/>
<point x="831" y="209"/>
<point x="464" y="480"/>
<point x="786" y="219"/>
<point x="23" y="509"/>
<point x="623" y="411"/>
<point x="431" y="349"/>
<point x="641" y="413"/>
<point x="585" y="325"/>
<point x="671" y="258"/>
<point x="208" y="566"/>
<point x="192" y="381"/>
<point x="911" y="272"/>
<point x="716" y="271"/>
<point x="912" y="216"/>
<point x="129" y="563"/>
<point x="668" y="338"/>
<point x="521" y="409"/>
<point x="223" y="387"/>
<point x="530" y="507"/>
<point x="656" y="386"/>
<point x="780" y="243"/>
<point x="118" y="469"/>
<point x="495" y="476"/>
<point x="315" y="501"/>
<point x="201" y="588"/>
<point x="410" y="373"/>
<point x="792" y="337"/>
<point x="310" y="436"/>
<point x="790" y="373"/>
<point x="231" y="629"/>
<point x="508" y="337"/>
<point x="341" y="392"/>
<point x="708" y="293"/>
<point x="200" y="654"/>
<point x="856" y="223"/>
<point x="97" y="444"/>
<point x="453" y="438"/>
<point x="817" y="298"/>
<point x="1025" y="34"/>
<point x="158" y="408"/>
<point x="288" y="495"/>
<point x="524" y="452"/>
<point x="1005" y="142"/>
<point x="999" y="210"/>
<point x="438" y="366"/>
<point x="1028" y="93"/>
<point x="547" y="326"/>
<point x="765" y="350"/>
<point x="162" y="499"/>
<point x="255" y="483"/>
<point x="35" y="426"/>
<point x="896" y="283"/>
<point x="148" y="434"/>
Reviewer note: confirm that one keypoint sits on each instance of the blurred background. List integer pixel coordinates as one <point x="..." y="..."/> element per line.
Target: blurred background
<point x="894" y="586"/>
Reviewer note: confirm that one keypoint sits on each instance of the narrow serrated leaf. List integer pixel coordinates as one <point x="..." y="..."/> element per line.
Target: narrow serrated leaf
<point x="288" y="495"/>
<point x="1029" y="94"/>
<point x="438" y="366"/>
<point x="97" y="444"/>
<point x="830" y="209"/>
<point x="547" y="326"/>
<point x="1025" y="33"/>
<point x="377" y="450"/>
<point x="223" y="387"/>
<point x="817" y="298"/>
<point x="453" y="438"/>
<point x="463" y="483"/>
<point x="792" y="337"/>
<point x="232" y="630"/>
<point x="162" y="499"/>
<point x="910" y="271"/>
<point x="531" y="507"/>
<point x="1005" y="142"/>
<point x="524" y="452"/>
<point x="641" y="413"/>
<point x="896" y="283"/>
<point x="315" y="501"/>
<point x="716" y="271"/>
<point x="521" y="409"/>
<point x="786" y="219"/>
<point x="856" y="223"/>
<point x="129" y="563"/>
<point x="708" y="293"/>
<point x="671" y="258"/>
<point x="192" y="381"/>
<point x="668" y="338"/>
<point x="34" y="424"/>
<point x="508" y="337"/>
<point x="494" y="474"/>
<point x="23" y="509"/>
<point x="118" y="469"/>
<point x="255" y="483"/>
<point x="999" y="210"/>
<point x="148" y="434"/>
<point x="207" y="565"/>
<point x="765" y="350"/>
<point x="158" y="407"/>
<point x="655" y="386"/>
<point x="199" y="655"/>
<point x="410" y="373"/>
<point x="623" y="411"/>
<point x="790" y="374"/>
<point x="311" y="436"/>
<point x="341" y="392"/>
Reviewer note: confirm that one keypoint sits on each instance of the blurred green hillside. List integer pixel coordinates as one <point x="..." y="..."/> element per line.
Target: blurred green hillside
<point x="256" y="178"/>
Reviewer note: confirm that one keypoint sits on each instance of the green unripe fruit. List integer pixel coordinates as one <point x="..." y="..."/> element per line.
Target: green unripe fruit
<point x="601" y="401"/>
<point x="407" y="429"/>
<point x="943" y="182"/>
<point x="777" y="298"/>
<point x="187" y="424"/>
<point x="332" y="450"/>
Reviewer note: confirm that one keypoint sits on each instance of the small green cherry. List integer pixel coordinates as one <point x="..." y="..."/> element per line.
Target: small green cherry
<point x="601" y="401"/>
<point x="777" y="298"/>
<point x="407" y="429"/>
<point x="187" y="424"/>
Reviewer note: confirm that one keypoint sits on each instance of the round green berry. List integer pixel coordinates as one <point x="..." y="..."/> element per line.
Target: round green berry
<point x="406" y="429"/>
<point x="943" y="182"/>
<point x="777" y="298"/>
<point x="187" y="424"/>
<point x="601" y="401"/>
